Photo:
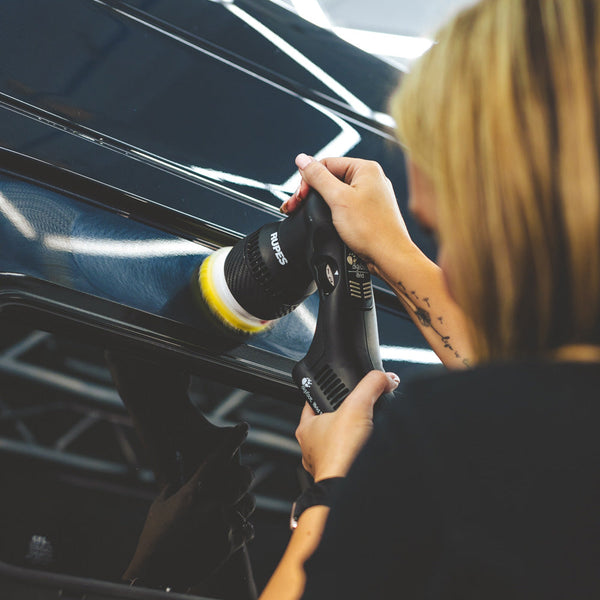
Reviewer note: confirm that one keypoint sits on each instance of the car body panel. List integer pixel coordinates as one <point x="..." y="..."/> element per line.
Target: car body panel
<point x="140" y="91"/>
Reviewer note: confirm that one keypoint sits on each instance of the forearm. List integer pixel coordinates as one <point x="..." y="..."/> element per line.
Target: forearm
<point x="288" y="580"/>
<point x="419" y="284"/>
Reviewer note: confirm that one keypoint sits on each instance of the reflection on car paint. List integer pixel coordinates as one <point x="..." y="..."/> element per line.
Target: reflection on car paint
<point x="335" y="86"/>
<point x="58" y="239"/>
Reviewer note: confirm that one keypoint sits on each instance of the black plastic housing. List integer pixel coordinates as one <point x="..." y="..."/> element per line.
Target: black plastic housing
<point x="269" y="278"/>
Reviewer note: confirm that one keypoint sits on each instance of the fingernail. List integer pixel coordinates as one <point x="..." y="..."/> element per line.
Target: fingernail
<point x="394" y="379"/>
<point x="284" y="208"/>
<point x="303" y="160"/>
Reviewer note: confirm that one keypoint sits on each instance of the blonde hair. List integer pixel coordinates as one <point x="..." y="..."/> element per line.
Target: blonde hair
<point x="503" y="116"/>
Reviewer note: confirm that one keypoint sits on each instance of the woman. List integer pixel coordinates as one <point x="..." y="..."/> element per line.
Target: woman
<point x="484" y="482"/>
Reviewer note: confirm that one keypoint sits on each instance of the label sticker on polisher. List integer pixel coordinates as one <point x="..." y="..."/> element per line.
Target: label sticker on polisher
<point x="356" y="267"/>
<point x="305" y="387"/>
<point x="359" y="281"/>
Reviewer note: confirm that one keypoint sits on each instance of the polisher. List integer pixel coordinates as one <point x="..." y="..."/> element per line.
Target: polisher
<point x="246" y="287"/>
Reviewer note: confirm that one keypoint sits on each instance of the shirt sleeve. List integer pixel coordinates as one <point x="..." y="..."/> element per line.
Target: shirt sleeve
<point x="382" y="536"/>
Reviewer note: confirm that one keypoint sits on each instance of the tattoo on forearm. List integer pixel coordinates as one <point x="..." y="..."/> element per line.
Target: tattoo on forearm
<point x="424" y="318"/>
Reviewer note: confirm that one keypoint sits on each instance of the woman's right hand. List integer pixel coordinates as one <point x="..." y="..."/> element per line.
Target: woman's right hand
<point x="331" y="441"/>
<point x="362" y="201"/>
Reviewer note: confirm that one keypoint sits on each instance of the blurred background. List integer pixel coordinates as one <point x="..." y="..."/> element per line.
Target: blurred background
<point x="396" y="30"/>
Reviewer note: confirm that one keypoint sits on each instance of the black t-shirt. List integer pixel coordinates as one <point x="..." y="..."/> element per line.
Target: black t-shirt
<point x="482" y="485"/>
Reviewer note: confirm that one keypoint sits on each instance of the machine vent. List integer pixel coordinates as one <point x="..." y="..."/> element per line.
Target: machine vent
<point x="332" y="386"/>
<point x="362" y="291"/>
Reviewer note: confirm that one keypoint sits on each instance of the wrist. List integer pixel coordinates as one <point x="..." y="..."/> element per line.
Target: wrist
<point x="320" y="493"/>
<point x="336" y="469"/>
<point x="332" y="473"/>
<point x="394" y="264"/>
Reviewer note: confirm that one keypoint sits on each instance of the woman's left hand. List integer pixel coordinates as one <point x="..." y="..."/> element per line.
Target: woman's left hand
<point x="330" y="442"/>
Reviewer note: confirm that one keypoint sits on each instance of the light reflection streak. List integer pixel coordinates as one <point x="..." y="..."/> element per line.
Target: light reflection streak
<point x="187" y="170"/>
<point x="412" y="355"/>
<point x="335" y="86"/>
<point x="343" y="142"/>
<point x="347" y="139"/>
<point x="19" y="221"/>
<point x="307" y="318"/>
<point x="123" y="248"/>
<point x="275" y="189"/>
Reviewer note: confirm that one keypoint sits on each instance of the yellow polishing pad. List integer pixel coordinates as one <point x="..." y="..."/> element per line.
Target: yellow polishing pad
<point x="218" y="297"/>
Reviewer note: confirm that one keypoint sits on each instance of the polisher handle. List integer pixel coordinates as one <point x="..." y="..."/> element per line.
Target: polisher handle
<point x="345" y="346"/>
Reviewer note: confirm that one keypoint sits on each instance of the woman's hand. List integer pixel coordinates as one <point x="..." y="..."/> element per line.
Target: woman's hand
<point x="362" y="201"/>
<point x="366" y="215"/>
<point x="330" y="442"/>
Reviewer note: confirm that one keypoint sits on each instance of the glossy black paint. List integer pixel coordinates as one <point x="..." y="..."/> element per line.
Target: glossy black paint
<point x="244" y="44"/>
<point x="136" y="136"/>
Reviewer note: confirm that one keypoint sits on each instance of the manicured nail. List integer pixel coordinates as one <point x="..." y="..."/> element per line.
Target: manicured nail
<point x="394" y="379"/>
<point x="303" y="160"/>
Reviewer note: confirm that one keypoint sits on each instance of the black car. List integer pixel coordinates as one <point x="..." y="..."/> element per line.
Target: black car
<point x="136" y="137"/>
